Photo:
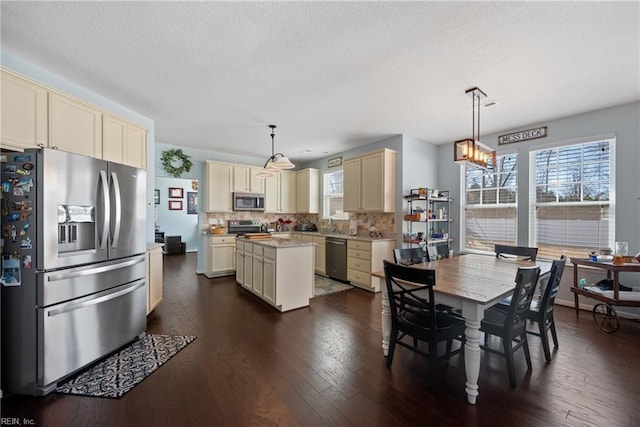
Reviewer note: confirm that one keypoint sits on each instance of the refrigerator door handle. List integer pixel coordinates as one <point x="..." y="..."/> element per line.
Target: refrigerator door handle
<point x="94" y="301"/>
<point x="118" y="211"/>
<point x="93" y="271"/>
<point x="107" y="209"/>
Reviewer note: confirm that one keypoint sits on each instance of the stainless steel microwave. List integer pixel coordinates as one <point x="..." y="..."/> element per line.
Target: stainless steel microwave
<point x="248" y="202"/>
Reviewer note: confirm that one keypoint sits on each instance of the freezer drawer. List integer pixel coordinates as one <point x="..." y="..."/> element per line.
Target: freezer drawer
<point x="64" y="285"/>
<point x="76" y="333"/>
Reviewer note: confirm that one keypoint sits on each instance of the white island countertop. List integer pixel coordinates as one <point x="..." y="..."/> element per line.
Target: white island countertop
<point x="277" y="242"/>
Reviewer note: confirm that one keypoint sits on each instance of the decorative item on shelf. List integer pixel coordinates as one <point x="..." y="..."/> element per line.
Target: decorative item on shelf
<point x="277" y="162"/>
<point x="470" y="151"/>
<point x="175" y="162"/>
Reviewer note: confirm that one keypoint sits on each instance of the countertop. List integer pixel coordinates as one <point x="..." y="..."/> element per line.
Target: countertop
<point x="151" y="246"/>
<point x="276" y="242"/>
<point x="365" y="238"/>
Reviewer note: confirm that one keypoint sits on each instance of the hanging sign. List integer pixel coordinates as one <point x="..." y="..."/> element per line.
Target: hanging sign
<point x="523" y="135"/>
<point x="336" y="161"/>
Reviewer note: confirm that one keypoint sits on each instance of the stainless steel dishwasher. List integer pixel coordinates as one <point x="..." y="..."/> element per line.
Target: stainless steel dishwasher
<point x="336" y="258"/>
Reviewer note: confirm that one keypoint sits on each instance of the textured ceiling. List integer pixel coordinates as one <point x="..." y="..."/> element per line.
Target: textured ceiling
<point x="333" y="75"/>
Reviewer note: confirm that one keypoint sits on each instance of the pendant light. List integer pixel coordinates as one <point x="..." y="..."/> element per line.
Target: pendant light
<point x="470" y="151"/>
<point x="277" y="162"/>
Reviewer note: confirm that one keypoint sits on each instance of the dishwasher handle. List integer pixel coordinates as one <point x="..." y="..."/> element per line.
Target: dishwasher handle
<point x="336" y="241"/>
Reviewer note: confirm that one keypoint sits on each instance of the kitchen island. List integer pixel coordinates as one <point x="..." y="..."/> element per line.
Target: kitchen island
<point x="279" y="271"/>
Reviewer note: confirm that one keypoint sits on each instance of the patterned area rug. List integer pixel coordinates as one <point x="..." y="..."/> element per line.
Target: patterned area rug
<point x="122" y="371"/>
<point x="325" y="286"/>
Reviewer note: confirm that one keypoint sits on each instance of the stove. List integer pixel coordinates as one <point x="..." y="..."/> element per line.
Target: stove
<point x="242" y="226"/>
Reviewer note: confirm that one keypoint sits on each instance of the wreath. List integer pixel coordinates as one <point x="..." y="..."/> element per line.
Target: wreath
<point x="175" y="162"/>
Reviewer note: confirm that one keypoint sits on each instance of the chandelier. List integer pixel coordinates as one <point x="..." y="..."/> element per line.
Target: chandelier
<point x="277" y="162"/>
<point x="470" y="151"/>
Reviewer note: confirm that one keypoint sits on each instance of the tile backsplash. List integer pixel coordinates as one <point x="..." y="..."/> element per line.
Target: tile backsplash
<point x="384" y="222"/>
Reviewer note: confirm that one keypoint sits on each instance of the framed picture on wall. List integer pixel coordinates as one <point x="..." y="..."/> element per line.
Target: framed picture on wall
<point x="192" y="203"/>
<point x="175" y="205"/>
<point x="176" y="193"/>
<point x="156" y="196"/>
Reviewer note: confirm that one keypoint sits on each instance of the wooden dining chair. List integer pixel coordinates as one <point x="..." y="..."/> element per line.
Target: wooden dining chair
<point x="541" y="311"/>
<point x="414" y="315"/>
<point x="409" y="256"/>
<point x="519" y="252"/>
<point x="511" y="325"/>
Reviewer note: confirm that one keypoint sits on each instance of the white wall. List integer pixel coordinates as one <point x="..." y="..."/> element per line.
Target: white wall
<point x="177" y="222"/>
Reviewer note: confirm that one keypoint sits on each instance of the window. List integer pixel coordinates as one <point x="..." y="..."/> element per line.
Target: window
<point x="490" y="209"/>
<point x="574" y="199"/>
<point x="333" y="187"/>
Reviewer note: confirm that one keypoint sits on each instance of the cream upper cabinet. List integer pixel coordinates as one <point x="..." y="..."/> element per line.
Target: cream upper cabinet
<point x="114" y="134"/>
<point x="351" y="170"/>
<point x="245" y="179"/>
<point x="308" y="191"/>
<point x="219" y="186"/>
<point x="24" y="112"/>
<point x="280" y="193"/>
<point x="369" y="182"/>
<point x="135" y="152"/>
<point x="74" y="126"/>
<point x="123" y="142"/>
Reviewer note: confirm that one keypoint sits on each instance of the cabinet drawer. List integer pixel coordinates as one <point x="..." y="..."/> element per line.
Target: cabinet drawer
<point x="359" y="254"/>
<point x="319" y="240"/>
<point x="248" y="248"/>
<point x="258" y="250"/>
<point x="359" y="277"/>
<point x="269" y="253"/>
<point x="358" y="245"/>
<point x="222" y="239"/>
<point x="359" y="264"/>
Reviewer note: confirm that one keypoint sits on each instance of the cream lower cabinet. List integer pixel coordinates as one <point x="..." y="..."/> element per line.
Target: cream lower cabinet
<point x="74" y="126"/>
<point x="319" y="251"/>
<point x="154" y="278"/>
<point x="240" y="263"/>
<point x="23" y="123"/>
<point x="222" y="256"/>
<point x="281" y="276"/>
<point x="364" y="258"/>
<point x="219" y="186"/>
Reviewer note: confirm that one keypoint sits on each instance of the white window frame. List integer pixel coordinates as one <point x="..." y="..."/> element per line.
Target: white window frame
<point x="326" y="196"/>
<point x="463" y="206"/>
<point x="611" y="203"/>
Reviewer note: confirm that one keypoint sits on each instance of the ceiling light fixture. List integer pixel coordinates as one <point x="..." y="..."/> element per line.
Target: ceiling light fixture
<point x="470" y="151"/>
<point x="277" y="162"/>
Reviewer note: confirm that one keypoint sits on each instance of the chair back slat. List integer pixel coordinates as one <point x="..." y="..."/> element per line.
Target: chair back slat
<point x="526" y="280"/>
<point x="402" y="284"/>
<point x="551" y="291"/>
<point x="522" y="252"/>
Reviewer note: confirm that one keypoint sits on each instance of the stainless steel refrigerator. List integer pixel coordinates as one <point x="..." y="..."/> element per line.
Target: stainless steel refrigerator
<point x="73" y="265"/>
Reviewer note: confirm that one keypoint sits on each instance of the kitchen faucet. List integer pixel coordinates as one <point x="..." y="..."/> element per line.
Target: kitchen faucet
<point x="332" y="226"/>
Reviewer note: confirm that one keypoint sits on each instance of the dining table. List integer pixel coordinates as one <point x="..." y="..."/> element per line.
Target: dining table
<point x="471" y="283"/>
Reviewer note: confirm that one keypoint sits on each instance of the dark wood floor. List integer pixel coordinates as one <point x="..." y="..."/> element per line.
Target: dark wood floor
<point x="323" y="365"/>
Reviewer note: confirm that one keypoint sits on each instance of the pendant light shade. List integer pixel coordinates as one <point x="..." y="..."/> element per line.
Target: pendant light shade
<point x="277" y="162"/>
